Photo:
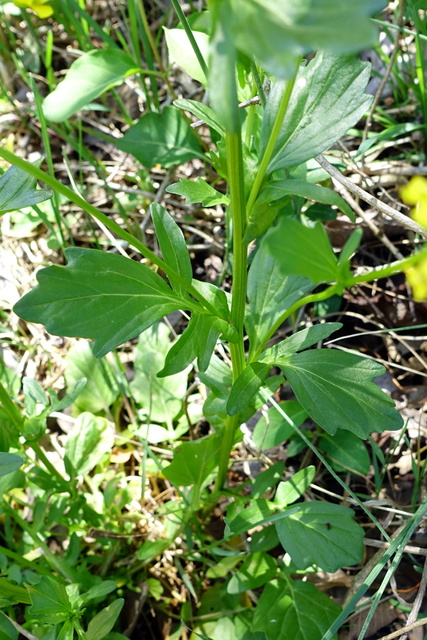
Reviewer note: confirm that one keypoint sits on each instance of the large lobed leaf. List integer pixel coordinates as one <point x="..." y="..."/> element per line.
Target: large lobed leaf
<point x="328" y="98"/>
<point x="87" y="78"/>
<point x="98" y="295"/>
<point x="337" y="391"/>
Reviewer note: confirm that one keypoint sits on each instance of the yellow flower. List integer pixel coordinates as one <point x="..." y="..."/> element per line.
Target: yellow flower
<point x="415" y="193"/>
<point x="416" y="277"/>
<point x="40" y="7"/>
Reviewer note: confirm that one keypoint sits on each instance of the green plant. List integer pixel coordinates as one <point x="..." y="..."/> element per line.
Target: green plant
<point x="263" y="156"/>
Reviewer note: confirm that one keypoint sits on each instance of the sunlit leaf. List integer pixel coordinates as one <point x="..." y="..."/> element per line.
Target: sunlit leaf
<point x="87" y="78"/>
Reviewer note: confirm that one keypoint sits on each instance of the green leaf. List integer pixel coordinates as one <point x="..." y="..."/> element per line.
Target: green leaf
<point x="281" y="188"/>
<point x="267" y="479"/>
<point x="9" y="462"/>
<point x="161" y="138"/>
<point x="269" y="294"/>
<point x="259" y="512"/>
<point x="90" y="438"/>
<point x="18" y="190"/>
<point x="336" y="390"/>
<point x="291" y="490"/>
<point x="222" y="69"/>
<point x="50" y="601"/>
<point x="201" y="111"/>
<point x="195" y="191"/>
<point x="301" y="340"/>
<point x="197" y="341"/>
<point x="216" y="297"/>
<point x="347" y="252"/>
<point x="181" y="51"/>
<point x="346" y="452"/>
<point x="246" y="386"/>
<point x="87" y="78"/>
<point x="194" y="461"/>
<point x="297" y="610"/>
<point x="328" y="99"/>
<point x="257" y="569"/>
<point x="67" y="631"/>
<point x="11" y="591"/>
<point x="272" y="430"/>
<point x="161" y="398"/>
<point x="104" y="621"/>
<point x="323" y="534"/>
<point x="278" y="33"/>
<point x="303" y="251"/>
<point x="172" y="245"/>
<point x="98" y="591"/>
<point x="100" y="388"/>
<point x="7" y="630"/>
<point x="98" y="295"/>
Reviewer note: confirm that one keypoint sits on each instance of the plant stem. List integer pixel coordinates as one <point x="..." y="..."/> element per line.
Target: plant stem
<point x="237" y="351"/>
<point x="54" y="184"/>
<point x="281" y="112"/>
<point x="238" y="216"/>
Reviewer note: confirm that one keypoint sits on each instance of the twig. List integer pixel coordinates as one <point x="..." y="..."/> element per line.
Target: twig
<point x="369" y="223"/>
<point x="380" y="544"/>
<point x="400" y="632"/>
<point x="405" y="221"/>
<point x="386" y="74"/>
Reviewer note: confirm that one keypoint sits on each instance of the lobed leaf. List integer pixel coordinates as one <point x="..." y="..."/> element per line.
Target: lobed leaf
<point x="98" y="295"/>
<point x="301" y="340"/>
<point x="328" y="98"/>
<point x="321" y="534"/>
<point x="337" y="391"/>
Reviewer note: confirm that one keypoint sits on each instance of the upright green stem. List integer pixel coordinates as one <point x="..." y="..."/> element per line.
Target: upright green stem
<point x="237" y="351"/>
<point x="238" y="217"/>
<point x="281" y="112"/>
